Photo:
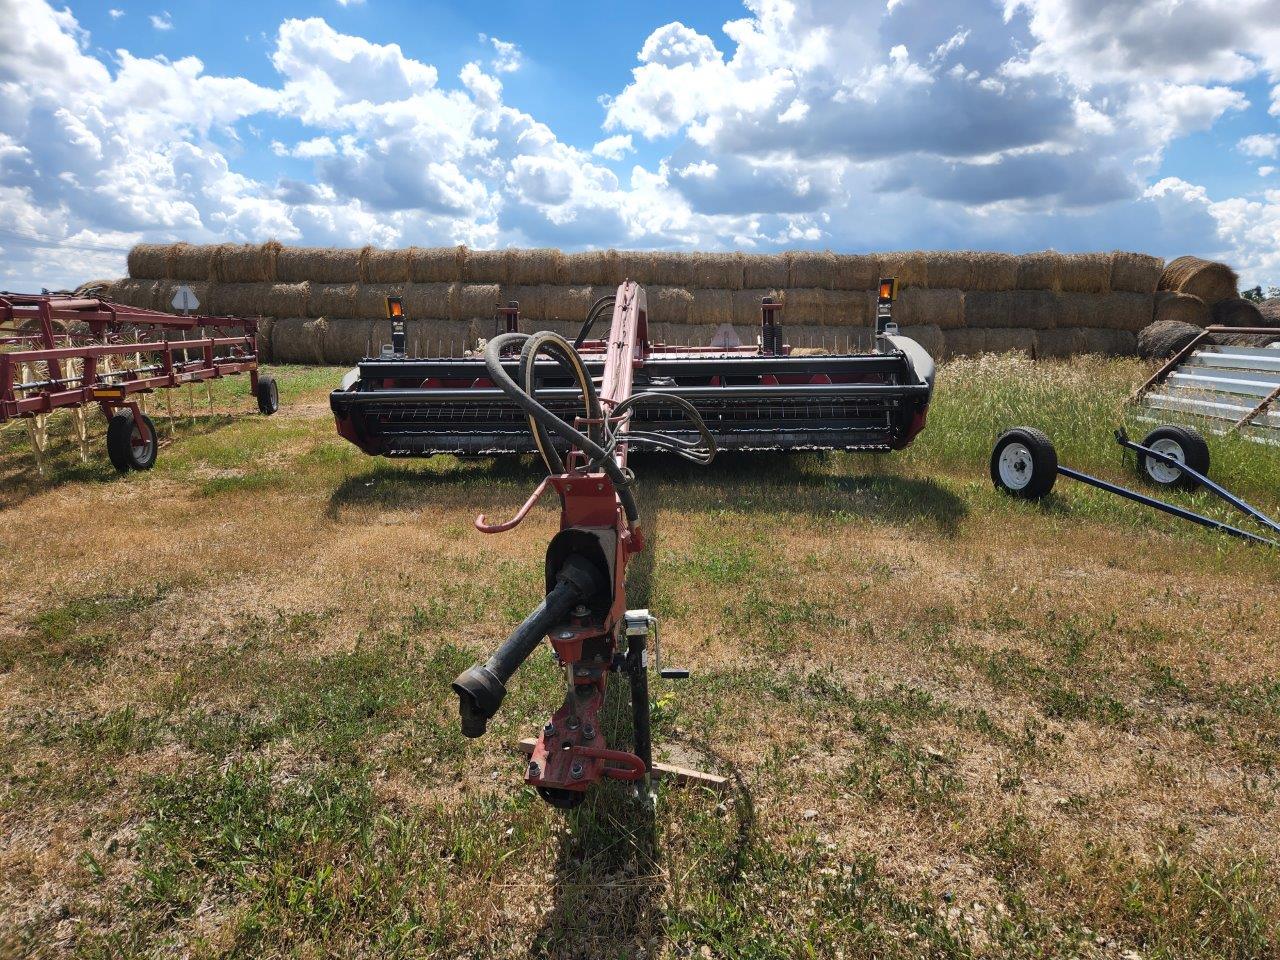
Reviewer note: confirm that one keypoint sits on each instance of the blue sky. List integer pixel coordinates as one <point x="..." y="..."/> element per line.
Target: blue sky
<point x="758" y="125"/>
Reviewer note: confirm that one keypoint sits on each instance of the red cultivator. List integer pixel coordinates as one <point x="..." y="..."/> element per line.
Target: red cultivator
<point x="582" y="407"/>
<point x="70" y="353"/>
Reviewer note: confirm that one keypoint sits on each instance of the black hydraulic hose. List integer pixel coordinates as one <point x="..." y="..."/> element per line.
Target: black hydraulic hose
<point x="481" y="688"/>
<point x="594" y="314"/>
<point x="502" y="380"/>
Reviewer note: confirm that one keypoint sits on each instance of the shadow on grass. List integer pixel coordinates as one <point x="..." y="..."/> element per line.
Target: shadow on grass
<point x="769" y="482"/>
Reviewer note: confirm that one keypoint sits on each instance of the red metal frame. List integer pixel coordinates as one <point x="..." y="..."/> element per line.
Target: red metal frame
<point x="104" y="321"/>
<point x="571" y="753"/>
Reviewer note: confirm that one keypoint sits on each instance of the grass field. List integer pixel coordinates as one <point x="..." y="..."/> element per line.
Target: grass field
<point x="956" y="725"/>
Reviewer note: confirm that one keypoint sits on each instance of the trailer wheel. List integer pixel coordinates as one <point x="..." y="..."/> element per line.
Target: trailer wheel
<point x="1024" y="463"/>
<point x="268" y="395"/>
<point x="125" y="446"/>
<point x="1181" y="443"/>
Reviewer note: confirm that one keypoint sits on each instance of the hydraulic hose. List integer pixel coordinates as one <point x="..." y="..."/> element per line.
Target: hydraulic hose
<point x="545" y="418"/>
<point x="594" y="314"/>
<point x="481" y="688"/>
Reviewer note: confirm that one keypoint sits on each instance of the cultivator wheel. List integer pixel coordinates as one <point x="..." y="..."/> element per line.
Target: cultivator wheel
<point x="268" y="395"/>
<point x="1182" y="444"/>
<point x="126" y="445"/>
<point x="1024" y="463"/>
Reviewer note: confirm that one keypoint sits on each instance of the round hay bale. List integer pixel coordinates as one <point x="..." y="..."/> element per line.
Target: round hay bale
<point x="192" y="262"/>
<point x="346" y="340"/>
<point x="1269" y="310"/>
<point x="532" y="300"/>
<point x="805" y="306"/>
<point x="717" y="271"/>
<point x="244" y="262"/>
<point x="1041" y="310"/>
<point x="917" y="306"/>
<point x="812" y="269"/>
<point x="856" y="272"/>
<point x="672" y="268"/>
<point x="436" y="264"/>
<point x="991" y="272"/>
<point x="1236" y="312"/>
<point x="745" y="311"/>
<point x="987" y="309"/>
<point x="266" y="326"/>
<point x="474" y="301"/>
<point x="371" y="299"/>
<point x="669" y="305"/>
<point x="1135" y="272"/>
<point x="94" y="288"/>
<point x="426" y="301"/>
<point x="298" y="340"/>
<point x="765" y="271"/>
<point x="1040" y="271"/>
<point x="910" y="267"/>
<point x="333" y="300"/>
<point x="1165" y="338"/>
<point x="318" y="264"/>
<point x="929" y="336"/>
<point x="1110" y="342"/>
<point x="1255" y="341"/>
<point x="711" y="306"/>
<point x="537" y="266"/>
<point x="566" y="303"/>
<point x="1207" y="279"/>
<point x="964" y="341"/>
<point x="141" y="293"/>
<point x="846" y="308"/>
<point x="487" y="266"/>
<point x="149" y="261"/>
<point x="1086" y="273"/>
<point x="588" y="268"/>
<point x="1129" y="312"/>
<point x="1181" y="308"/>
<point x="637" y="265"/>
<point x="165" y="290"/>
<point x="1012" y="340"/>
<point x="952" y="269"/>
<point x="389" y="266"/>
<point x="1061" y="343"/>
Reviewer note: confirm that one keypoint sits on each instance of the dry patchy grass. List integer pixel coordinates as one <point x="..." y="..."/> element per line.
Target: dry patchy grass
<point x="957" y="725"/>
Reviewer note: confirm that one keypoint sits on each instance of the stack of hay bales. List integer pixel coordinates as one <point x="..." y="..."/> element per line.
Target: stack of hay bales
<point x="1192" y="294"/>
<point x="328" y="305"/>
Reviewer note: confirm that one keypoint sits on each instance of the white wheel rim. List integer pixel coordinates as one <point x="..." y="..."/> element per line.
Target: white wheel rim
<point x="1162" y="472"/>
<point x="1015" y="466"/>
<point x="141" y="448"/>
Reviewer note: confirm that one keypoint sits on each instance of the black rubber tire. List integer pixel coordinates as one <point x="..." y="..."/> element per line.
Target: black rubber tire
<point x="1043" y="463"/>
<point x="124" y="455"/>
<point x="1195" y="454"/>
<point x="268" y="395"/>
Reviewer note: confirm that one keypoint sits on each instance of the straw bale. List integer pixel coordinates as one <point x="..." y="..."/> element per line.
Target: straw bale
<point x="244" y="262"/>
<point x="255" y="299"/>
<point x="965" y="341"/>
<point x="928" y="335"/>
<point x="371" y="299"/>
<point x="1270" y="311"/>
<point x="299" y="340"/>
<point x="1011" y="340"/>
<point x="856" y="272"/>
<point x="570" y="303"/>
<point x="532" y="300"/>
<point x="637" y="265"/>
<point x="389" y="266"/>
<point x="910" y="267"/>
<point x="318" y="264"/>
<point x="672" y="269"/>
<point x="1129" y="312"/>
<point x="487" y="266"/>
<point x="991" y="272"/>
<point x="949" y="269"/>
<point x="474" y="301"/>
<point x="266" y="326"/>
<point x="333" y="300"/>
<point x="805" y="306"/>
<point x="1237" y="312"/>
<point x="768" y="271"/>
<point x="849" y="308"/>
<point x="746" y="306"/>
<point x="1164" y="338"/>
<point x="165" y="290"/>
<point x="1135" y="272"/>
<point x="1110" y="342"/>
<point x="920" y="305"/>
<point x="669" y="305"/>
<point x="589" y="268"/>
<point x="1086" y="273"/>
<point x="436" y="264"/>
<point x="347" y="340"/>
<point x="1182" y="308"/>
<point x="812" y="269"/>
<point x="1040" y="271"/>
<point x="141" y="293"/>
<point x="1061" y="343"/>
<point x="1206" y="279"/>
<point x="188" y="261"/>
<point x="711" y="306"/>
<point x="537" y="266"/>
<point x="1041" y="309"/>
<point x="149" y="261"/>
<point x="445" y="338"/>
<point x="426" y="301"/>
<point x="1254" y="340"/>
<point x="717" y="271"/>
<point x="1008" y="308"/>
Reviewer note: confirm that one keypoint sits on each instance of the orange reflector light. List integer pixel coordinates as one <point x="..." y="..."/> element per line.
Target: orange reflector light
<point x="395" y="308"/>
<point x="888" y="289"/>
